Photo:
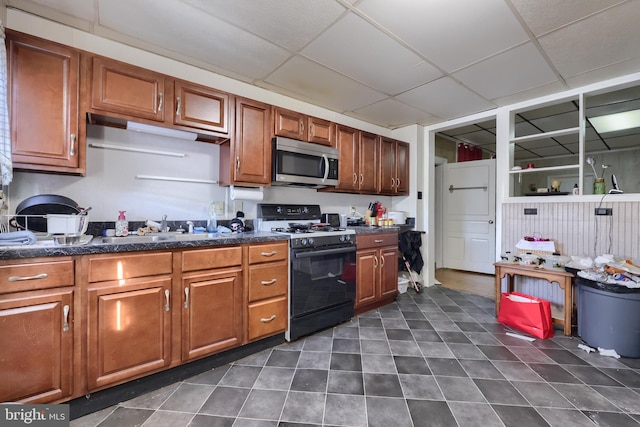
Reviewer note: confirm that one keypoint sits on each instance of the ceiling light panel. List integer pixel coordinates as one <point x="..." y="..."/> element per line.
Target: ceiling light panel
<point x="616" y="122"/>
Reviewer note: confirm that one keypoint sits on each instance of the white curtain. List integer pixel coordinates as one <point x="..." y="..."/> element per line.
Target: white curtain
<point x="6" y="167"/>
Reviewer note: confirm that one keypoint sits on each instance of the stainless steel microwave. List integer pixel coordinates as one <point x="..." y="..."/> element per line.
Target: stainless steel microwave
<point x="303" y="163"/>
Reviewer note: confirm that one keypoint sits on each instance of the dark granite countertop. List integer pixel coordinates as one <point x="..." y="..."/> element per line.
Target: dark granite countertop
<point x="96" y="247"/>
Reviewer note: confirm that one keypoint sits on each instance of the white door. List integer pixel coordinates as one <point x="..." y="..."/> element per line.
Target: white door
<point x="469" y="206"/>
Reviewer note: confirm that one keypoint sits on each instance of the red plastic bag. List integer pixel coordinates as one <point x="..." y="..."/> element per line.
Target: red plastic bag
<point x="526" y="313"/>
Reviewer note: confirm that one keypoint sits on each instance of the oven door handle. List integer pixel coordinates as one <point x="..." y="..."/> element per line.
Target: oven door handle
<point x="309" y="254"/>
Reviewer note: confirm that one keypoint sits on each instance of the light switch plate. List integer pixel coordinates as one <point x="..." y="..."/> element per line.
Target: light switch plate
<point x="237" y="206"/>
<point x="219" y="207"/>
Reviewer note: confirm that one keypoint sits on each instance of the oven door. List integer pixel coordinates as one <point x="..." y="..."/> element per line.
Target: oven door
<point x="322" y="279"/>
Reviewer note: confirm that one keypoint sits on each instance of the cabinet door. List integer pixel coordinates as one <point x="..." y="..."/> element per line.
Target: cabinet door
<point x="388" y="271"/>
<point x="38" y="325"/>
<point x="129" y="331"/>
<point x="43" y="91"/>
<point x="402" y="167"/>
<point x="368" y="163"/>
<point x="201" y="107"/>
<point x="124" y="89"/>
<point x="290" y="124"/>
<point x="251" y="154"/>
<point x="387" y="165"/>
<point x="366" y="276"/>
<point x="321" y="131"/>
<point x="211" y="312"/>
<point x="347" y="143"/>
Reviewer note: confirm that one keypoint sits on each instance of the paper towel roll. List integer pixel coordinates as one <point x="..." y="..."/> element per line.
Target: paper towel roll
<point x="245" y="193"/>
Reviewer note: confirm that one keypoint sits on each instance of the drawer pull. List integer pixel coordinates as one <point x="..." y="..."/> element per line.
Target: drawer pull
<point x="186" y="297"/>
<point x="166" y="297"/>
<point x="269" y="282"/>
<point x="272" y="253"/>
<point x="21" y="278"/>
<point x="65" y="313"/>
<point x="378" y="241"/>
<point x="267" y="320"/>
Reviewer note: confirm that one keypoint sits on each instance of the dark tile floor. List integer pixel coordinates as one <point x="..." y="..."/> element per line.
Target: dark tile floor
<point x="434" y="359"/>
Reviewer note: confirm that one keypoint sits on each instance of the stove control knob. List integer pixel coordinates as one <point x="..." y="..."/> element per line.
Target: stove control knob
<point x="310" y="241"/>
<point x="303" y="242"/>
<point x="279" y="209"/>
<point x="345" y="238"/>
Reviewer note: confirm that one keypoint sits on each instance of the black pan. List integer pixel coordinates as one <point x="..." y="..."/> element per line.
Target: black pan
<point x="41" y="205"/>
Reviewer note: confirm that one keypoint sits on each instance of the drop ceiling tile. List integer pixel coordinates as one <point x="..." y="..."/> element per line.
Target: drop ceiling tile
<point x="513" y="71"/>
<point x="370" y="56"/>
<point x="607" y="72"/>
<point x="227" y="47"/>
<point x="450" y="34"/>
<point x="526" y="95"/>
<point x="326" y="87"/>
<point x="445" y="98"/>
<point x="557" y="122"/>
<point x="557" y="150"/>
<point x="390" y="113"/>
<point x="542" y="16"/>
<point x="626" y="141"/>
<point x="598" y="41"/>
<point x="289" y="23"/>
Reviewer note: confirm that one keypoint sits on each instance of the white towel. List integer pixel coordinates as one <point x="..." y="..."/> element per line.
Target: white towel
<point x="6" y="165"/>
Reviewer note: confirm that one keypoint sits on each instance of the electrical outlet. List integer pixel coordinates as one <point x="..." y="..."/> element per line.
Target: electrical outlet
<point x="219" y="208"/>
<point x="237" y="206"/>
<point x="604" y="211"/>
<point x="352" y="211"/>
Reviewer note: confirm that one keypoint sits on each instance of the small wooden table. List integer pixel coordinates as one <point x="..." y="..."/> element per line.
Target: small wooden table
<point x="562" y="278"/>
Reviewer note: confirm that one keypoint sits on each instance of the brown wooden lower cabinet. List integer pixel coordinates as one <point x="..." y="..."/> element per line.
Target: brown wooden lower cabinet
<point x="129" y="332"/>
<point x="376" y="270"/>
<point x="36" y="346"/>
<point x="76" y="325"/>
<point x="211" y="306"/>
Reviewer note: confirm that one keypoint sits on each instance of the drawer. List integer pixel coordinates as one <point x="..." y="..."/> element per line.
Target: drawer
<point x="268" y="252"/>
<point x="206" y="259"/>
<point x="37" y="275"/>
<point x="268" y="280"/>
<point x="117" y="267"/>
<point x="267" y="317"/>
<point x="376" y="240"/>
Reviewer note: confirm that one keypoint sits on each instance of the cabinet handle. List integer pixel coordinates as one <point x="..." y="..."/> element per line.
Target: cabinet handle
<point x="267" y="320"/>
<point x="22" y="278"/>
<point x="311" y="129"/>
<point x="72" y="149"/>
<point x="393" y="182"/>
<point x="237" y="163"/>
<point x="272" y="253"/>
<point x="355" y="178"/>
<point x="397" y="182"/>
<point x="269" y="282"/>
<point x="378" y="241"/>
<point x="160" y="101"/>
<point x="375" y="262"/>
<point x="301" y="128"/>
<point x="381" y="261"/>
<point x="166" y="297"/>
<point x="65" y="313"/>
<point x="178" y="106"/>
<point x="361" y="179"/>
<point x="186" y="297"/>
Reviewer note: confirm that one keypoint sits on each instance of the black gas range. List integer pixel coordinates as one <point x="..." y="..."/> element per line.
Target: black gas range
<point x="322" y="276"/>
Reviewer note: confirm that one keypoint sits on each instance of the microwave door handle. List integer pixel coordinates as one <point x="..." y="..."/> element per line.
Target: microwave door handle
<point x="326" y="168"/>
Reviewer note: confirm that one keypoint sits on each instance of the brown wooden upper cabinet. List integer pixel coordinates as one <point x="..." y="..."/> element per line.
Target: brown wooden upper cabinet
<point x="302" y="127"/>
<point x="358" y="164"/>
<point x="127" y="92"/>
<point x="131" y="91"/>
<point x="246" y="159"/>
<point x="43" y="91"/>
<point x="394" y="170"/>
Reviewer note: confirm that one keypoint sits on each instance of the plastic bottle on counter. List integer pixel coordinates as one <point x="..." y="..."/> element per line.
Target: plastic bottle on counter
<point x="122" y="225"/>
<point x="212" y="220"/>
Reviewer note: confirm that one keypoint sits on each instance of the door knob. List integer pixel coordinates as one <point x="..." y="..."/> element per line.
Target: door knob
<point x="490" y="221"/>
